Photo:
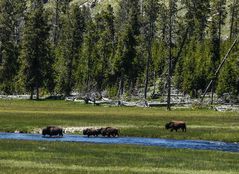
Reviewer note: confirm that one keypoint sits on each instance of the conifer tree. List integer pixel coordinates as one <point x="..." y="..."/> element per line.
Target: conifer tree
<point x="151" y="15"/>
<point x="69" y="50"/>
<point x="10" y="14"/>
<point x="218" y="14"/>
<point x="130" y="64"/>
<point x="105" y="47"/>
<point x="234" y="19"/>
<point x="196" y="21"/>
<point x="196" y="17"/>
<point x="88" y="67"/>
<point x="35" y="49"/>
<point x="172" y="15"/>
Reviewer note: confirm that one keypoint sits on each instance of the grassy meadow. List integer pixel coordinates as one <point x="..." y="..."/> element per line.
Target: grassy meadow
<point x="144" y="122"/>
<point x="18" y="157"/>
<point x="30" y="157"/>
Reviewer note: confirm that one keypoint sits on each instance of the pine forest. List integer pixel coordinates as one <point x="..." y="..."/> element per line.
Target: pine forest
<point x="144" y="48"/>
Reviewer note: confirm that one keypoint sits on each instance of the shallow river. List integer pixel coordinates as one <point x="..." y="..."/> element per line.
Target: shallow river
<point x="183" y="144"/>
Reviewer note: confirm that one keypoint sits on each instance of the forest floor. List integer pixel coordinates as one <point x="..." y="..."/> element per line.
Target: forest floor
<point x="61" y="157"/>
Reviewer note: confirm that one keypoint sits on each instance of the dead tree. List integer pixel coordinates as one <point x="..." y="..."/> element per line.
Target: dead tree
<point x="219" y="68"/>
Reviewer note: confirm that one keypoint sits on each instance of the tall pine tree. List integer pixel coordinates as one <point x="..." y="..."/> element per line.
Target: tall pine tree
<point x="35" y="56"/>
<point x="69" y="49"/>
<point x="218" y="15"/>
<point x="151" y="13"/>
<point x="11" y="14"/>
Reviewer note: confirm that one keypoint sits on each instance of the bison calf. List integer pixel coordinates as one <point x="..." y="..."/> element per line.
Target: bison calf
<point x="175" y="125"/>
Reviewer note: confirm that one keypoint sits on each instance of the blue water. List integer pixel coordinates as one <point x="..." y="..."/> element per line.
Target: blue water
<point x="167" y="143"/>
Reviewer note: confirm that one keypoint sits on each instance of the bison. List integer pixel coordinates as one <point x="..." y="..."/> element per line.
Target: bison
<point x="109" y="131"/>
<point x="175" y="125"/>
<point x="90" y="131"/>
<point x="52" y="130"/>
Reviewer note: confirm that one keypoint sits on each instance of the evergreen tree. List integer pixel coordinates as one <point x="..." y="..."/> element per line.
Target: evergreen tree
<point x="35" y="49"/>
<point x="10" y="15"/>
<point x="196" y="17"/>
<point x="189" y="73"/>
<point x="195" y="68"/>
<point x="105" y="47"/>
<point x="129" y="61"/>
<point x="88" y="67"/>
<point x="234" y="19"/>
<point x="151" y="15"/>
<point x="172" y="15"/>
<point x="69" y="50"/>
<point x="60" y="7"/>
<point x="218" y="14"/>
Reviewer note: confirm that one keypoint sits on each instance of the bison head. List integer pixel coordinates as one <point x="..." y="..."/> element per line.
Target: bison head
<point x="44" y="131"/>
<point x="168" y="125"/>
<point x="86" y="131"/>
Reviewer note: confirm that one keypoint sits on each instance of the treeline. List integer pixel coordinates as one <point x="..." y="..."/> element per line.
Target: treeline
<point x="141" y="44"/>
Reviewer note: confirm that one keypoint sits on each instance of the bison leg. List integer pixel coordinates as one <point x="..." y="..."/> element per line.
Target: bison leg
<point x="172" y="130"/>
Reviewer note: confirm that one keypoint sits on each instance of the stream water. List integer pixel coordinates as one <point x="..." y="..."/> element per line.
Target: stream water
<point x="167" y="143"/>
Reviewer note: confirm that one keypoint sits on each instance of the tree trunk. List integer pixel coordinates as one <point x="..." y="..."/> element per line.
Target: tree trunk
<point x="37" y="93"/>
<point x="154" y="90"/>
<point x="121" y="90"/>
<point x="169" y="82"/>
<point x="232" y="20"/>
<point x="56" y="23"/>
<point x="169" y="62"/>
<point x="31" y="95"/>
<point x="213" y="86"/>
<point x="147" y="75"/>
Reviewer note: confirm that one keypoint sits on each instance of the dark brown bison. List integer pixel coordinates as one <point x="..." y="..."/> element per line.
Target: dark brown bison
<point x="109" y="131"/>
<point x="52" y="131"/>
<point x="175" y="125"/>
<point x="91" y="132"/>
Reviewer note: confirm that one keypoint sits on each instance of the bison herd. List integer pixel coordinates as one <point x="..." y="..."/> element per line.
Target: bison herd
<point x="105" y="132"/>
<point x="108" y="131"/>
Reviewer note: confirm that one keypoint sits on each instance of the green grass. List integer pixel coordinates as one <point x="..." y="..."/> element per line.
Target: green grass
<point x="28" y="157"/>
<point x="53" y="157"/>
<point x="144" y="122"/>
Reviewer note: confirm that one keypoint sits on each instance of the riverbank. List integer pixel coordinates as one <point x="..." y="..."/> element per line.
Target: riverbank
<point x="35" y="157"/>
<point x="30" y="116"/>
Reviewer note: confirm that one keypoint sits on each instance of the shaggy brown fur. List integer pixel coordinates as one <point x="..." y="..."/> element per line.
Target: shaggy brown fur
<point x="91" y="132"/>
<point x="109" y="131"/>
<point x="52" y="130"/>
<point x="175" y="125"/>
